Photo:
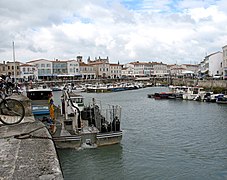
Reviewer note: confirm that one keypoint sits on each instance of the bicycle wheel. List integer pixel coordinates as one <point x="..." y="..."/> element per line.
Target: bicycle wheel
<point x="11" y="111"/>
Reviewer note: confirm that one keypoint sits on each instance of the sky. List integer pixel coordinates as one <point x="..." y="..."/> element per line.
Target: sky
<point x="168" y="31"/>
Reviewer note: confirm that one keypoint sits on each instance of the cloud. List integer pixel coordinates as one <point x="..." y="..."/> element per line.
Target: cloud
<point x="124" y="30"/>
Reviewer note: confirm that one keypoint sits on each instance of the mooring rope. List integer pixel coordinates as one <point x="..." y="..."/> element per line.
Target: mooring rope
<point x="28" y="135"/>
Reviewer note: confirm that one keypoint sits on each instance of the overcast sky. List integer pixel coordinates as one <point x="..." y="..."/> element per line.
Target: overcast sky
<point x="169" y="31"/>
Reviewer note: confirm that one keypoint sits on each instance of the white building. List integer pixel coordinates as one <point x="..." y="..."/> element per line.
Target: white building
<point x="183" y="69"/>
<point x="160" y="69"/>
<point x="115" y="71"/>
<point x="127" y="71"/>
<point x="224" y="62"/>
<point x="191" y="67"/>
<point x="101" y="67"/>
<point x="28" y="72"/>
<point x="215" y="63"/>
<point x="145" y="69"/>
<point x="73" y="67"/>
<point x="176" y="70"/>
<point x="87" y="71"/>
<point x="138" y="69"/>
<point x="44" y="66"/>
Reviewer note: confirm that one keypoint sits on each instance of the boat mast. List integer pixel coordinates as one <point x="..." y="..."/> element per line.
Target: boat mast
<point x="14" y="64"/>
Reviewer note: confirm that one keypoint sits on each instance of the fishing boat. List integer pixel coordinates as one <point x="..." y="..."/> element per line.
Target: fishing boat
<point x="87" y="126"/>
<point x="192" y="93"/>
<point x="74" y="124"/>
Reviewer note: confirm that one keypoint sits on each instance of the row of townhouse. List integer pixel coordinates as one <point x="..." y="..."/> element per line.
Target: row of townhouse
<point x="214" y="64"/>
<point x="183" y="70"/>
<point x="144" y="69"/>
<point x="93" y="69"/>
<point x="10" y="67"/>
<point x="151" y="69"/>
<point x="48" y="69"/>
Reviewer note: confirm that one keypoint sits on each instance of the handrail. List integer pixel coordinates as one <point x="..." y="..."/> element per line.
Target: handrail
<point x="77" y="113"/>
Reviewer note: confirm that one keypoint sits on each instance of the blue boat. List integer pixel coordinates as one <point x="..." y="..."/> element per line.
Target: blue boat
<point x="40" y="101"/>
<point x="40" y="110"/>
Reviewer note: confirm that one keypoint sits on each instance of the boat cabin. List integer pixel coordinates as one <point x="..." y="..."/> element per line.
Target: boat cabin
<point x="40" y="101"/>
<point x="39" y="94"/>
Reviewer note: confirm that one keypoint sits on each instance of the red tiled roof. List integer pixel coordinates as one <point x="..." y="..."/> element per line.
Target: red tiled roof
<point x="83" y="64"/>
<point x="115" y="65"/>
<point x="26" y="65"/>
<point x="37" y="60"/>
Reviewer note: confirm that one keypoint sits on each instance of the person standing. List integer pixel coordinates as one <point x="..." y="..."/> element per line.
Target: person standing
<point x="8" y="80"/>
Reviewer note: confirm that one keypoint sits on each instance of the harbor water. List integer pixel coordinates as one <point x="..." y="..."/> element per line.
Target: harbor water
<point x="162" y="139"/>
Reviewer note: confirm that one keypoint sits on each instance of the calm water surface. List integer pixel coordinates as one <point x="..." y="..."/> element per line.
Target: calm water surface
<point x="162" y="139"/>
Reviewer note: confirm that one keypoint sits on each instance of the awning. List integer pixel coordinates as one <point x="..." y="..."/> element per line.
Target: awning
<point x="65" y="75"/>
<point x="187" y="72"/>
<point x="68" y="75"/>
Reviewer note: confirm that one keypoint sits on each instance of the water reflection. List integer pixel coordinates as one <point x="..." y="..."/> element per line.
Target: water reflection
<point x="100" y="163"/>
<point x="169" y="139"/>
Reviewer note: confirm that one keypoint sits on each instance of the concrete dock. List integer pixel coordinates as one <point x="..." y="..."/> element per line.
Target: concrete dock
<point x="27" y="151"/>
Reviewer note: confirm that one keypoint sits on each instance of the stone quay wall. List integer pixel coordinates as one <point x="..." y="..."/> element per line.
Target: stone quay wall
<point x="27" y="149"/>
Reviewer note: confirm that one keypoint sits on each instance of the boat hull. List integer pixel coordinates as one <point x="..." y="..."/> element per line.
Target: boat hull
<point x="88" y="140"/>
<point x="98" y="90"/>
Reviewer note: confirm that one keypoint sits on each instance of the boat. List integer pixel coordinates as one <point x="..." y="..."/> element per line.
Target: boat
<point x="77" y="101"/>
<point x="42" y="106"/>
<point x="56" y="88"/>
<point x="99" y="88"/>
<point x="78" y="89"/>
<point x="178" y="91"/>
<point x="193" y="93"/>
<point x="221" y="99"/>
<point x="76" y="125"/>
<point x="39" y="100"/>
<point x="86" y="126"/>
<point x="150" y="95"/>
<point x="73" y="88"/>
<point x="210" y="97"/>
<point x="117" y="87"/>
<point x="163" y="95"/>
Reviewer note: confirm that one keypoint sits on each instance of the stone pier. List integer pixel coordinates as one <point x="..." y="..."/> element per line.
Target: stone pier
<point x="27" y="151"/>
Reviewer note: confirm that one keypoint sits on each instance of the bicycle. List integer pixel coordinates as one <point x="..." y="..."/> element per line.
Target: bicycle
<point x="6" y="88"/>
<point x="11" y="110"/>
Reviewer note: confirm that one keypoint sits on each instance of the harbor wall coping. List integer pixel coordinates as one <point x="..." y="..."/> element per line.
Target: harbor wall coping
<point x="34" y="157"/>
